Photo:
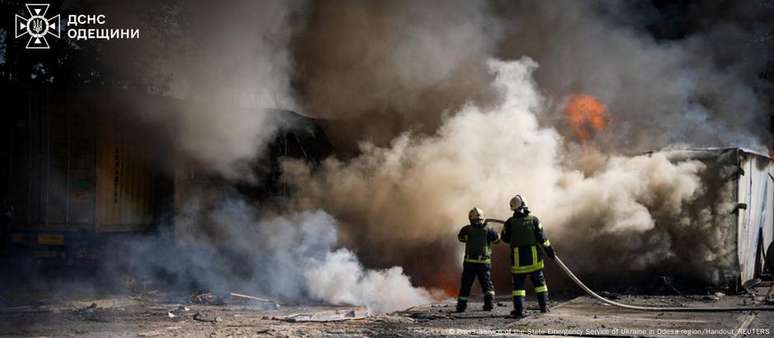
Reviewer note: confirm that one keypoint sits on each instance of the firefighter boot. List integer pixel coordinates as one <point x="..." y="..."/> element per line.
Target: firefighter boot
<point x="488" y="302"/>
<point x="518" y="307"/>
<point x="462" y="304"/>
<point x="543" y="301"/>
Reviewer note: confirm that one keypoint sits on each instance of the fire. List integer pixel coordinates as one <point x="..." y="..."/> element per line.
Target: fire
<point x="448" y="285"/>
<point x="586" y="115"/>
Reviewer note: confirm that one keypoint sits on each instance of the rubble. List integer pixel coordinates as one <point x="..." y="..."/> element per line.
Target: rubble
<point x="327" y="316"/>
<point x="568" y="316"/>
<point x="203" y="318"/>
<point x="207" y="297"/>
<point x="271" y="303"/>
<point x="89" y="312"/>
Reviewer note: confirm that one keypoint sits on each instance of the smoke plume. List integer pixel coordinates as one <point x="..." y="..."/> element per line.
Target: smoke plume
<point x="414" y="194"/>
<point x="448" y="109"/>
<point x="232" y="71"/>
<point x="701" y="90"/>
<point x="407" y="197"/>
<point x="391" y="66"/>
<point x="228" y="67"/>
<point x="292" y="258"/>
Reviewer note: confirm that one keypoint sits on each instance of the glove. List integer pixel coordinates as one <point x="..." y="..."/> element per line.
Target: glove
<point x="550" y="252"/>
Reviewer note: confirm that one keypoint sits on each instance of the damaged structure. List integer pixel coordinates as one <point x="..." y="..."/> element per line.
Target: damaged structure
<point x="80" y="175"/>
<point x="76" y="176"/>
<point x="745" y="180"/>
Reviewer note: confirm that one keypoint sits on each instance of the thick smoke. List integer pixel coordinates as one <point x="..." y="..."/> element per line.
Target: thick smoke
<point x="236" y="69"/>
<point x="339" y="278"/>
<point x="385" y="67"/>
<point x="414" y="194"/>
<point x="442" y="127"/>
<point x="291" y="258"/>
<point x="229" y="67"/>
<point x="231" y="72"/>
<point x="701" y="90"/>
<point x="389" y="67"/>
<point x="406" y="198"/>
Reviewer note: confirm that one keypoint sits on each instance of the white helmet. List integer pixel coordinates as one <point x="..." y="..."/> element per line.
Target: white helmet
<point x="476" y="214"/>
<point x="517" y="202"/>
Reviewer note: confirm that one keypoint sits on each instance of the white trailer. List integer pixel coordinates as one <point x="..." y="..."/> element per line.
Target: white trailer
<point x="749" y="177"/>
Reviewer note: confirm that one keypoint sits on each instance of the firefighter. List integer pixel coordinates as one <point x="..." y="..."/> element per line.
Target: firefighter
<point x="525" y="234"/>
<point x="478" y="238"/>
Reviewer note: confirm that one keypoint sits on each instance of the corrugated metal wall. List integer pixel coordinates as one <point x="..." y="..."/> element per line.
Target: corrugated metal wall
<point x="68" y="164"/>
<point x="51" y="164"/>
<point x="755" y="222"/>
<point x="124" y="182"/>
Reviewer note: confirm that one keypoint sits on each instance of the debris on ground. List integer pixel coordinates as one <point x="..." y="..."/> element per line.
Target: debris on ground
<point x="423" y="315"/>
<point x="713" y="297"/>
<point x="178" y="311"/>
<point x="203" y="318"/>
<point x="609" y="295"/>
<point x="181" y="309"/>
<point x="237" y="297"/>
<point x="206" y="297"/>
<point x="770" y="296"/>
<point x="326" y="316"/>
<point x="119" y="316"/>
<point x="89" y="312"/>
<point x="751" y="284"/>
<point x="89" y="309"/>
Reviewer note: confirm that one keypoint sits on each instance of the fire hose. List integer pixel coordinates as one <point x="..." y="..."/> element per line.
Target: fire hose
<point x="585" y="288"/>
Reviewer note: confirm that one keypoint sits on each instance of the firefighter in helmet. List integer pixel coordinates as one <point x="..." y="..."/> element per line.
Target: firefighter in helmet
<point x="525" y="234"/>
<point x="478" y="238"/>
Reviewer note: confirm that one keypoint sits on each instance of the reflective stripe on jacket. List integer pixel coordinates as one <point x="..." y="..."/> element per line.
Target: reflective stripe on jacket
<point x="525" y="234"/>
<point x="478" y="241"/>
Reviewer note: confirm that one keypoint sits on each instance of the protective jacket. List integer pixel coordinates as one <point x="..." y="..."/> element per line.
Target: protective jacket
<point x="525" y="233"/>
<point x="478" y="239"/>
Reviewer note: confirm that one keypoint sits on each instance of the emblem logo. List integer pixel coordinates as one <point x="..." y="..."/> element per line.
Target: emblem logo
<point x="37" y="26"/>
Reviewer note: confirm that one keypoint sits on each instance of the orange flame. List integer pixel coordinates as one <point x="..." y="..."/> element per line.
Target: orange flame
<point x="447" y="284"/>
<point x="586" y="115"/>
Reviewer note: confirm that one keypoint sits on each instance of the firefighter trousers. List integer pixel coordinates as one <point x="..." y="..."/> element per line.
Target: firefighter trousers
<point x="471" y="271"/>
<point x="520" y="292"/>
<point x="520" y="281"/>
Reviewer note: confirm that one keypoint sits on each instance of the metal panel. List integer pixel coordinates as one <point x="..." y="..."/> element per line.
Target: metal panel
<point x="124" y="180"/>
<point x="69" y="164"/>
<point x="50" y="164"/>
<point x="755" y="220"/>
<point x="81" y="169"/>
<point x="753" y="195"/>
